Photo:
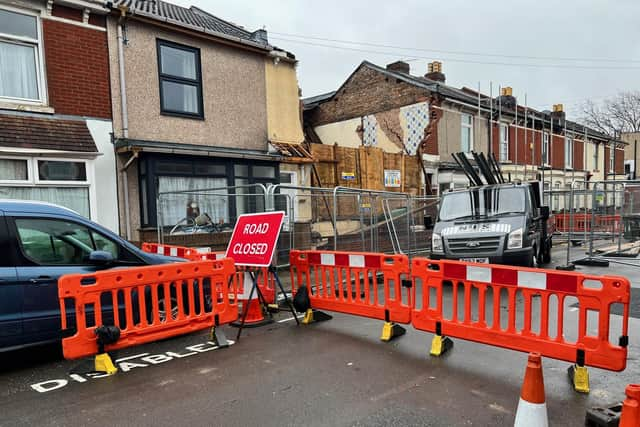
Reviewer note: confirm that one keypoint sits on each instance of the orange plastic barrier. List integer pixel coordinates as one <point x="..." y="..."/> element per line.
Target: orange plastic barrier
<point x="193" y="295"/>
<point x="347" y="282"/>
<point x="265" y="281"/>
<point x="581" y="223"/>
<point x="446" y="286"/>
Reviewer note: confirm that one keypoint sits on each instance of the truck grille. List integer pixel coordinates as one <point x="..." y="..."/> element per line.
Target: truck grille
<point x="485" y="245"/>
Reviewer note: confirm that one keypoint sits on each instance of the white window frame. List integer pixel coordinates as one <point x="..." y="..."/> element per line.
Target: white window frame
<point x="39" y="57"/>
<point x="612" y="160"/>
<point x="568" y="152"/>
<point x="33" y="179"/>
<point x="19" y="182"/>
<point x="503" y="136"/>
<point x="468" y="127"/>
<point x="37" y="179"/>
<point x="546" y="137"/>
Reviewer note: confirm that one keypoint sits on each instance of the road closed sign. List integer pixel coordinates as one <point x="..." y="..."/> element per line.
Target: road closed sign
<point x="254" y="238"/>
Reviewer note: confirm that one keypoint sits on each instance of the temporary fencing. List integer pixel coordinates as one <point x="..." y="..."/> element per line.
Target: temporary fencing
<point x="138" y="300"/>
<point x="347" y="282"/>
<point x="602" y="217"/>
<point x="483" y="320"/>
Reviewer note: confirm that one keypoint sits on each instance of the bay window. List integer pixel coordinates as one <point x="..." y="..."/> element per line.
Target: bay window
<point x="58" y="181"/>
<point x="20" y="57"/>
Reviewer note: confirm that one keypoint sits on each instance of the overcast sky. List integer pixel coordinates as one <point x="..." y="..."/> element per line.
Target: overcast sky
<point x="605" y="35"/>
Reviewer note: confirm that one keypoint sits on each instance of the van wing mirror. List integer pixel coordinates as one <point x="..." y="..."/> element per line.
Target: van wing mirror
<point x="428" y="222"/>
<point x="543" y="212"/>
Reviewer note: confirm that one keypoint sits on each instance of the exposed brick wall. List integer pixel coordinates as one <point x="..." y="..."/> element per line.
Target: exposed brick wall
<point x="578" y="155"/>
<point x="66" y="12"/>
<point x="367" y="92"/>
<point x="557" y="152"/>
<point x="77" y="69"/>
<point x="619" y="161"/>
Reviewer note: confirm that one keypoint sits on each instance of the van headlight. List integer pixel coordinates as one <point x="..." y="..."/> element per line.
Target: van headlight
<point x="515" y="239"/>
<point x="436" y="243"/>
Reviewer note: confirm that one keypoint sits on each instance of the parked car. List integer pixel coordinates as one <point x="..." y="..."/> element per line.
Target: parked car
<point x="501" y="224"/>
<point x="40" y="242"/>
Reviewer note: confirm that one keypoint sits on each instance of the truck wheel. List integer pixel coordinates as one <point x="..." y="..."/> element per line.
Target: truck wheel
<point x="533" y="259"/>
<point x="546" y="253"/>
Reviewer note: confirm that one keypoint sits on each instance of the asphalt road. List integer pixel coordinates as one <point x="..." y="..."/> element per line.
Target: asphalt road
<point x="335" y="373"/>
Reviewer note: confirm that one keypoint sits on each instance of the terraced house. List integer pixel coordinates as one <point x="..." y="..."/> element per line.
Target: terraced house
<point x="198" y="103"/>
<point x="55" y="106"/>
<point x="420" y="115"/>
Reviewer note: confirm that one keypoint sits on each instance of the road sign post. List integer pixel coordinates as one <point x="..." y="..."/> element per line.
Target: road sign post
<point x="253" y="243"/>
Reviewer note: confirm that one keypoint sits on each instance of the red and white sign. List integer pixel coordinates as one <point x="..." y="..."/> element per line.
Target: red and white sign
<point x="254" y="238"/>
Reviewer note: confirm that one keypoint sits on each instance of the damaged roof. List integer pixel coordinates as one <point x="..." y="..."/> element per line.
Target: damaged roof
<point x="464" y="95"/>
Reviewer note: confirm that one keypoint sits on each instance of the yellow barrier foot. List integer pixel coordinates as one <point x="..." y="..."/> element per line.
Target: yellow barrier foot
<point x="311" y="316"/>
<point x="218" y="337"/>
<point x="273" y="308"/>
<point x="440" y="345"/>
<point x="579" y="377"/>
<point x="391" y="330"/>
<point x="103" y="363"/>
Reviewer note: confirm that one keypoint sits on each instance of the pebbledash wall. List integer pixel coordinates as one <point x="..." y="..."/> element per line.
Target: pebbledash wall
<point x="73" y="72"/>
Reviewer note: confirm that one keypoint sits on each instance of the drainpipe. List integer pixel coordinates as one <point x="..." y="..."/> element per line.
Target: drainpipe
<point x="123" y="85"/>
<point x="125" y="119"/>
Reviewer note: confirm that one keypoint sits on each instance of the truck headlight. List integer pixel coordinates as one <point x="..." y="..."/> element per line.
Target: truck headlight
<point x="515" y="239"/>
<point x="436" y="243"/>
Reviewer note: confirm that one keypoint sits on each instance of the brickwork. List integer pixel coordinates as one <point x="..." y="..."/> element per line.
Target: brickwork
<point x="367" y="92"/>
<point x="77" y="69"/>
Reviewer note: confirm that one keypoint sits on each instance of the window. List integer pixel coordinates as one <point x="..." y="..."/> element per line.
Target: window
<point x="568" y="152"/>
<point x="20" y="63"/>
<point x="180" y="80"/>
<point x="466" y="125"/>
<point x="612" y="160"/>
<point x="56" y="242"/>
<point x="14" y="170"/>
<point x="51" y="170"/>
<point x="62" y="182"/>
<point x="596" y="154"/>
<point x="545" y="148"/>
<point x="504" y="143"/>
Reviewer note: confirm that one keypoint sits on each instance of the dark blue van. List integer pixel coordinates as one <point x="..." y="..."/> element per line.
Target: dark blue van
<point x="40" y="242"/>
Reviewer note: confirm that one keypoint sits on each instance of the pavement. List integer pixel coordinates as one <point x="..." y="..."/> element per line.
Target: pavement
<point x="334" y="373"/>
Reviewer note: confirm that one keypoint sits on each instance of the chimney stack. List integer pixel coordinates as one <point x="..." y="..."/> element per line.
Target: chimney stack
<point x="558" y="115"/>
<point x="434" y="71"/>
<point x="399" y="66"/>
<point x="507" y="100"/>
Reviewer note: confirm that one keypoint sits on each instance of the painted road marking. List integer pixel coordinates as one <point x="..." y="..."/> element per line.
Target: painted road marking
<point x="125" y="364"/>
<point x="286" y="320"/>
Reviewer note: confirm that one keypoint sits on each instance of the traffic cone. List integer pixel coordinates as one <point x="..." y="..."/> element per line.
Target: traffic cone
<point x="254" y="317"/>
<point x="532" y="408"/>
<point x="631" y="407"/>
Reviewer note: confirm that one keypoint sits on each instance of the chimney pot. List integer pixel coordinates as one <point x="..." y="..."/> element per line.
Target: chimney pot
<point x="434" y="71"/>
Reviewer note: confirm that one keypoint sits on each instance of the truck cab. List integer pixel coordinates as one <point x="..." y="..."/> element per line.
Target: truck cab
<point x="500" y="224"/>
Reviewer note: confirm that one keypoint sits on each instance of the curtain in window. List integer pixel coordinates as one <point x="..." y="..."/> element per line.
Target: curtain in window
<point x="173" y="207"/>
<point x="76" y="198"/>
<point x="13" y="170"/>
<point x="18" y="76"/>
